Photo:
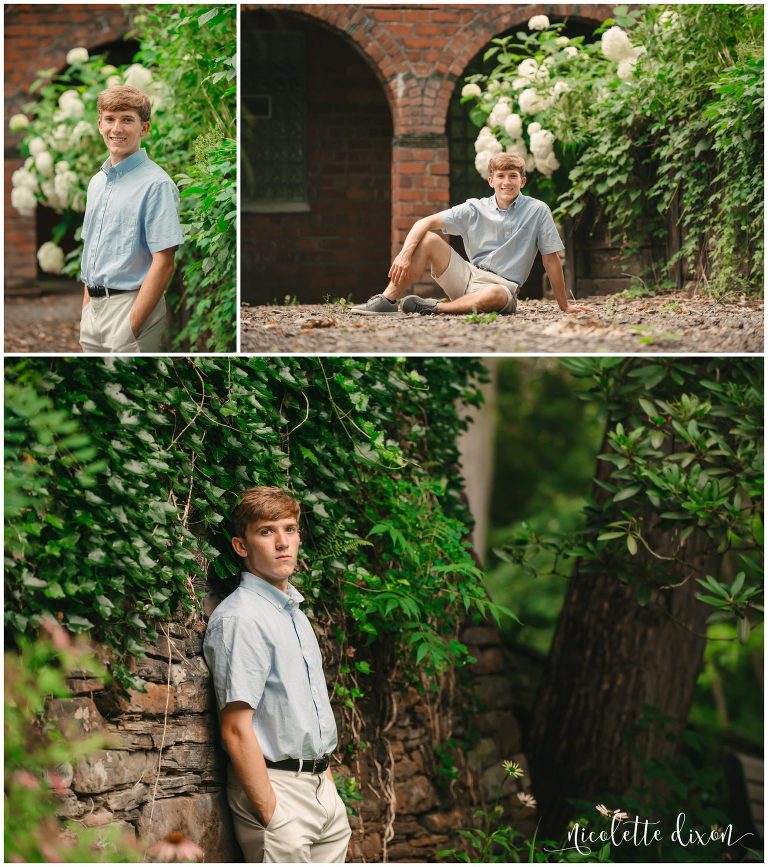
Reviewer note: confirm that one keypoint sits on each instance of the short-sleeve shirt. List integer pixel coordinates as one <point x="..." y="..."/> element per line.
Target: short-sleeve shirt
<point x="131" y="212"/>
<point x="504" y="242"/>
<point x="261" y="649"/>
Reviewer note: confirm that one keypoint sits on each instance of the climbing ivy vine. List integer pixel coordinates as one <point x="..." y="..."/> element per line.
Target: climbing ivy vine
<point x="121" y="474"/>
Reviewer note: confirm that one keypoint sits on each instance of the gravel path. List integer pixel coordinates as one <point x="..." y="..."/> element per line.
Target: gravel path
<point x="45" y="323"/>
<point x="663" y="324"/>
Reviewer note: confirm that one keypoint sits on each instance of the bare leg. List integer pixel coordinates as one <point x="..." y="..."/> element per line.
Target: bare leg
<point x="432" y="250"/>
<point x="484" y="301"/>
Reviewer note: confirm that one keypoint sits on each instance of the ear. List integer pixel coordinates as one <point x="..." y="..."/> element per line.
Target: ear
<point x="239" y="546"/>
<point x="522" y="182"/>
<point x="490" y="181"/>
<point x="144" y="128"/>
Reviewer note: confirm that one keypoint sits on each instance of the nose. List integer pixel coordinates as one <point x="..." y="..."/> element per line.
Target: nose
<point x="281" y="541"/>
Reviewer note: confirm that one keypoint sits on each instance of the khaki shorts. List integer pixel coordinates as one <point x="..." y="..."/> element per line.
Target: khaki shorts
<point x="462" y="278"/>
<point x="105" y="326"/>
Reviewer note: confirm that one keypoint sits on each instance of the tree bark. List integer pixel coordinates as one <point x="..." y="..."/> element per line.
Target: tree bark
<point x="610" y="659"/>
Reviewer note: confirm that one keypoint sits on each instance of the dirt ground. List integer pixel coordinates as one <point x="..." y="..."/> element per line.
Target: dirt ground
<point x="45" y="323"/>
<point x="664" y="324"/>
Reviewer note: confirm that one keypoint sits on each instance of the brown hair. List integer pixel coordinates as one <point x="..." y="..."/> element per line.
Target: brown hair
<point x="505" y="163"/>
<point x="262" y="504"/>
<point x="123" y="97"/>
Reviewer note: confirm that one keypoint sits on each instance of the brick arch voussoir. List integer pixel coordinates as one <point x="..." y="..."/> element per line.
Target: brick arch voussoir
<point x="487" y="24"/>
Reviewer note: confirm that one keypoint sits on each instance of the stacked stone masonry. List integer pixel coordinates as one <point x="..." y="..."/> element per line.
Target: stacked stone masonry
<point x="409" y="812"/>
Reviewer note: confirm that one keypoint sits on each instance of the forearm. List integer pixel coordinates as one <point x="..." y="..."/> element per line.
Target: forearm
<point x="416" y="235"/>
<point x="248" y="761"/>
<point x="151" y="291"/>
<point x="86" y="296"/>
<point x="554" y="268"/>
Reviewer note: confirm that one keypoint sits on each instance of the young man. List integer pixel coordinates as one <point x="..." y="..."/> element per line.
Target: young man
<point x="130" y="234"/>
<point x="501" y="235"/>
<point x="276" y="720"/>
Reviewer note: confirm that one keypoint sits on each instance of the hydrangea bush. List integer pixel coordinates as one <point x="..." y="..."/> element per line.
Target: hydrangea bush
<point x="655" y="114"/>
<point x="188" y="71"/>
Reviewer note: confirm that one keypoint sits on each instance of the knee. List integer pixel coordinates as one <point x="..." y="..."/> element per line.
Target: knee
<point x="497" y="297"/>
<point x="432" y="240"/>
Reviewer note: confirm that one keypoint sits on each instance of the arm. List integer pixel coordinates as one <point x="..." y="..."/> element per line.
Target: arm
<point x="400" y="271"/>
<point x="158" y="277"/>
<point x="86" y="296"/>
<point x="247" y="758"/>
<point x="554" y="268"/>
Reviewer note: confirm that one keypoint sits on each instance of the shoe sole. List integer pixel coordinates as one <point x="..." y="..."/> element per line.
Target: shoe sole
<point x="374" y="312"/>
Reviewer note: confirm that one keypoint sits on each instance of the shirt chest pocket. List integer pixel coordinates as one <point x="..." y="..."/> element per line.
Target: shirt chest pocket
<point x="123" y="234"/>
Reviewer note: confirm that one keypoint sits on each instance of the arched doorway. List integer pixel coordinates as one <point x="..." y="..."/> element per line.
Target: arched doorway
<point x="465" y="181"/>
<point x="315" y="157"/>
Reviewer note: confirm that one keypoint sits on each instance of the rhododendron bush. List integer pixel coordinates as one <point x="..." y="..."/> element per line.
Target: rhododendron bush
<point x="186" y="67"/>
<point x="657" y="121"/>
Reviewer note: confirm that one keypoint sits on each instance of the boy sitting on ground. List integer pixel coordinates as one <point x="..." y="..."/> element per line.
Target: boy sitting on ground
<point x="501" y="235"/>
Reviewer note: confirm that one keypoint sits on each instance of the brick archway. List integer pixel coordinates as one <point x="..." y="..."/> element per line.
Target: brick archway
<point x="39" y="37"/>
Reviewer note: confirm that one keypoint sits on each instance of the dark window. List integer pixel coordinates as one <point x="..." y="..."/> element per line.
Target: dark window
<point x="274" y="122"/>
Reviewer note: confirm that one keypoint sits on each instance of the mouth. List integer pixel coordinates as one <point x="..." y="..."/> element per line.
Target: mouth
<point x="117" y="139"/>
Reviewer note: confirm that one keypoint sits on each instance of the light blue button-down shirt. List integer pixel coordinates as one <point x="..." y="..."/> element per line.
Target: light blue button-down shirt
<point x="131" y="212"/>
<point x="261" y="649"/>
<point x="504" y="242"/>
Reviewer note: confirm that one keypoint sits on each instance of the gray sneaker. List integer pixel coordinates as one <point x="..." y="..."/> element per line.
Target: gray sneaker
<point x="374" y="306"/>
<point x="415" y="304"/>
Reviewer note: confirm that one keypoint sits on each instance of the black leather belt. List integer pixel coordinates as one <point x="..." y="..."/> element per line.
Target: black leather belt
<point x="307" y="766"/>
<point x="105" y="291"/>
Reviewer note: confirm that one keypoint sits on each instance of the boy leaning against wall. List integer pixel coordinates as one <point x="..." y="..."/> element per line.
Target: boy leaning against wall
<point x="130" y="234"/>
<point x="502" y="235"/>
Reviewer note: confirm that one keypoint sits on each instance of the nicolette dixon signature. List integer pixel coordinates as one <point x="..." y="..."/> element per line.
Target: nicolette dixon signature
<point x="642" y="832"/>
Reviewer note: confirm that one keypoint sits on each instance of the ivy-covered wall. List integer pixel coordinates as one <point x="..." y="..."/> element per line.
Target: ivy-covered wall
<point x="120" y="474"/>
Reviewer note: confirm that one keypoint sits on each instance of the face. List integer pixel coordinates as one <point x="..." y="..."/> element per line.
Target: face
<point x="270" y="549"/>
<point x="122" y="132"/>
<point x="507" y="184"/>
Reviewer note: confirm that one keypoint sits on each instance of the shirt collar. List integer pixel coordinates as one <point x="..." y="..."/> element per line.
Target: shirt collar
<point x="284" y="601"/>
<point x="125" y="165"/>
<point x="511" y="207"/>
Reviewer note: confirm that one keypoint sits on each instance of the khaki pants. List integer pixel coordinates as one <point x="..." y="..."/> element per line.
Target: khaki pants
<point x="105" y="326"/>
<point x="462" y="278"/>
<point x="309" y="825"/>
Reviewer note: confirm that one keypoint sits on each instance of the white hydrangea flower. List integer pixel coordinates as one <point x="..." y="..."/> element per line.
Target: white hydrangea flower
<point x="44" y="163"/>
<point x="532" y="102"/>
<point x="114" y="81"/>
<point x="513" y="126"/>
<point x="36" y="146"/>
<point x="481" y="162"/>
<point x="571" y="51"/>
<point x="78" y="202"/>
<point x="533" y="128"/>
<point x="538" y="22"/>
<point x="530" y="163"/>
<point x="562" y="40"/>
<point x="518" y="148"/>
<point x="64" y="183"/>
<point x="62" y="137"/>
<point x="50" y="196"/>
<point x="626" y="68"/>
<point x="493" y="86"/>
<point x="24" y="178"/>
<point x="542" y="143"/>
<point x="487" y="142"/>
<point x="77" y="55"/>
<point x="61" y="166"/>
<point x="51" y="258"/>
<point x="560" y="88"/>
<point x="668" y="18"/>
<point x="28" y="163"/>
<point x="471" y="90"/>
<point x="81" y="130"/>
<point x="542" y="166"/>
<point x="108" y="70"/>
<point x="528" y="69"/>
<point x="500" y="113"/>
<point x="23" y="199"/>
<point x="138" y="76"/>
<point x="18" y="122"/>
<point x="552" y="162"/>
<point x="615" y="44"/>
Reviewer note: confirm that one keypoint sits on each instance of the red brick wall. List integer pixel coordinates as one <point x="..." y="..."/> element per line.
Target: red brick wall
<point x="38" y="37"/>
<point x="418" y="53"/>
<point x="342" y="245"/>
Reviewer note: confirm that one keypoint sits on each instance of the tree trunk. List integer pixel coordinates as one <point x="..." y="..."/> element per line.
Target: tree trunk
<point x="610" y="659"/>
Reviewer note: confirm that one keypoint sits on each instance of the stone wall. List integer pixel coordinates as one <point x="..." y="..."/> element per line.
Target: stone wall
<point x="163" y="770"/>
